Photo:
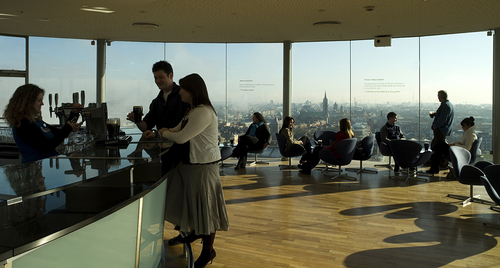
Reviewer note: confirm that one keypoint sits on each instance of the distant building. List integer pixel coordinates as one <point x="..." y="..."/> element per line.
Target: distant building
<point x="274" y="127"/>
<point x="335" y="107"/>
<point x="325" y="106"/>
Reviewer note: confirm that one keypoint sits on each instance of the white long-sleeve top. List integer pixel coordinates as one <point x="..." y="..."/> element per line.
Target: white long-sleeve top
<point x="467" y="138"/>
<point x="202" y="132"/>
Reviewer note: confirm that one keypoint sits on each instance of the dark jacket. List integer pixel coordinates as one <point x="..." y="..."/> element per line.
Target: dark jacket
<point x="391" y="132"/>
<point x="263" y="133"/>
<point x="38" y="140"/>
<point x="166" y="113"/>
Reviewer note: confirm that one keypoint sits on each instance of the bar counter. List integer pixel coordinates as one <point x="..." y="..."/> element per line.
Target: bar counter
<point x="99" y="206"/>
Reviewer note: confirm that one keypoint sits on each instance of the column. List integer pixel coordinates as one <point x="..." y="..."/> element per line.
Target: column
<point x="496" y="96"/>
<point x="101" y="72"/>
<point x="287" y="80"/>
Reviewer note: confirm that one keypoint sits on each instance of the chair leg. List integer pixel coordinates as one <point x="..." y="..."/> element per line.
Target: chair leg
<point x="407" y="177"/>
<point x="466" y="200"/>
<point x="340" y="175"/>
<point x="256" y="162"/>
<point x="389" y="166"/>
<point x="362" y="170"/>
<point x="289" y="166"/>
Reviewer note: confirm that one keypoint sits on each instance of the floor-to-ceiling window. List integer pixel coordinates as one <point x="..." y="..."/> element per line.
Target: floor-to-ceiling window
<point x="62" y="66"/>
<point x="330" y="80"/>
<point x="12" y="58"/>
<point x="384" y="79"/>
<point x="254" y="84"/>
<point x="320" y="85"/>
<point x="129" y="77"/>
<point x="461" y="64"/>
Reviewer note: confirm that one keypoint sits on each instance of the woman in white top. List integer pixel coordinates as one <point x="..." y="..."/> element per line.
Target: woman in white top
<point x="195" y="201"/>
<point x="441" y="149"/>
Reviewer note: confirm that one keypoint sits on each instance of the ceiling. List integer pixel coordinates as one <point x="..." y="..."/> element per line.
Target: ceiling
<point x="245" y="21"/>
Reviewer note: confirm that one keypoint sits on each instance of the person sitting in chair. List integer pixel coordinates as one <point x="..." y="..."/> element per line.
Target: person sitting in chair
<point x="391" y="132"/>
<point x="293" y="145"/>
<point x="441" y="149"/>
<point x="344" y="133"/>
<point x="257" y="137"/>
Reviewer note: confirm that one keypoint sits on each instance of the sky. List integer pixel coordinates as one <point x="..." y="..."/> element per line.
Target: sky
<point x="252" y="73"/>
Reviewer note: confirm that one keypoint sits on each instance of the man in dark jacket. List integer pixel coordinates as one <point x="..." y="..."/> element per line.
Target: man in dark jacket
<point x="166" y="110"/>
<point x="391" y="132"/>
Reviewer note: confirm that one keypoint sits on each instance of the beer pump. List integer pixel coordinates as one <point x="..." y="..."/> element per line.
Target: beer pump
<point x="82" y="112"/>
<point x="95" y="115"/>
<point x="50" y="105"/>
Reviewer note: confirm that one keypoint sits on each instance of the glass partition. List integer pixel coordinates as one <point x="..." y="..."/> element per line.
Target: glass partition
<point x="63" y="66"/>
<point x="384" y="79"/>
<point x="460" y="64"/>
<point x="320" y="85"/>
<point x="12" y="58"/>
<point x="129" y="77"/>
<point x="12" y="53"/>
<point x="254" y="84"/>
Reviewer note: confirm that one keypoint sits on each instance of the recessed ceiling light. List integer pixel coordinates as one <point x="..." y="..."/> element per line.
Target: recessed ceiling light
<point x="97" y="9"/>
<point x="43" y="19"/>
<point x="145" y="25"/>
<point x="7" y="15"/>
<point x="327" y="23"/>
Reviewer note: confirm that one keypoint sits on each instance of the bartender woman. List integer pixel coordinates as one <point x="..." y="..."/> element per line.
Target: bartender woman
<point x="35" y="138"/>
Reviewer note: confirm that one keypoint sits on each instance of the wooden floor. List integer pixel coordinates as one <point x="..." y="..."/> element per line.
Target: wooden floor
<point x="281" y="218"/>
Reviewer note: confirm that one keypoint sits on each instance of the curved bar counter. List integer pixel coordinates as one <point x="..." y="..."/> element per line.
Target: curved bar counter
<point x="99" y="207"/>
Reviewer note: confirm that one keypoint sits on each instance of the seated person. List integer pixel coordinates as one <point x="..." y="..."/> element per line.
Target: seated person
<point x="441" y="149"/>
<point x="391" y="132"/>
<point x="256" y="138"/>
<point x="35" y="138"/>
<point x="344" y="133"/>
<point x="293" y="145"/>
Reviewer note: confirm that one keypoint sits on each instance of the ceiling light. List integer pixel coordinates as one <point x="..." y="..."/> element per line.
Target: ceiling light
<point x="327" y="23"/>
<point x="96" y="9"/>
<point x="145" y="25"/>
<point x="7" y="15"/>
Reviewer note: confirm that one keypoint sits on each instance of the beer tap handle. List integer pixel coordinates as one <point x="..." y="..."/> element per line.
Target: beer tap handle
<point x="82" y="96"/>
<point x="56" y="99"/>
<point x="50" y="105"/>
<point x="75" y="97"/>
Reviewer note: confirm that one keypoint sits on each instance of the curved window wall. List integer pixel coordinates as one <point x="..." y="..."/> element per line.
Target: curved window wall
<point x="330" y="80"/>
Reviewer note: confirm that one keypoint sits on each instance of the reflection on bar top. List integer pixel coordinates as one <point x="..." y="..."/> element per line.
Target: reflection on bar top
<point x="50" y="174"/>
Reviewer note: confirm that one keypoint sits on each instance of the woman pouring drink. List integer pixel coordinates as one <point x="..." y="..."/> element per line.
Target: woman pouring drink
<point x="35" y="138"/>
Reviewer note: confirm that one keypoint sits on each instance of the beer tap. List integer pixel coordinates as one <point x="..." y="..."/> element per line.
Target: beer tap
<point x="50" y="105"/>
<point x="56" y="100"/>
<point x="82" y="112"/>
<point x="75" y="97"/>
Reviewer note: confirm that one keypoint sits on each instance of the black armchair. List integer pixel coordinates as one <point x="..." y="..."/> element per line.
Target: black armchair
<point x="385" y="150"/>
<point x="467" y="174"/>
<point x="345" y="148"/>
<point x="367" y="145"/>
<point x="408" y="155"/>
<point x="491" y="182"/>
<point x="291" y="153"/>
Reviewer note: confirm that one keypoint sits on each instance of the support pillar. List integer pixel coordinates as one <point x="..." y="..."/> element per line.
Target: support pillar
<point x="287" y="80"/>
<point x="101" y="72"/>
<point x="496" y="97"/>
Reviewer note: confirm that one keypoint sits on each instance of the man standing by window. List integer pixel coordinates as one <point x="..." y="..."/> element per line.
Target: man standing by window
<point x="443" y="119"/>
